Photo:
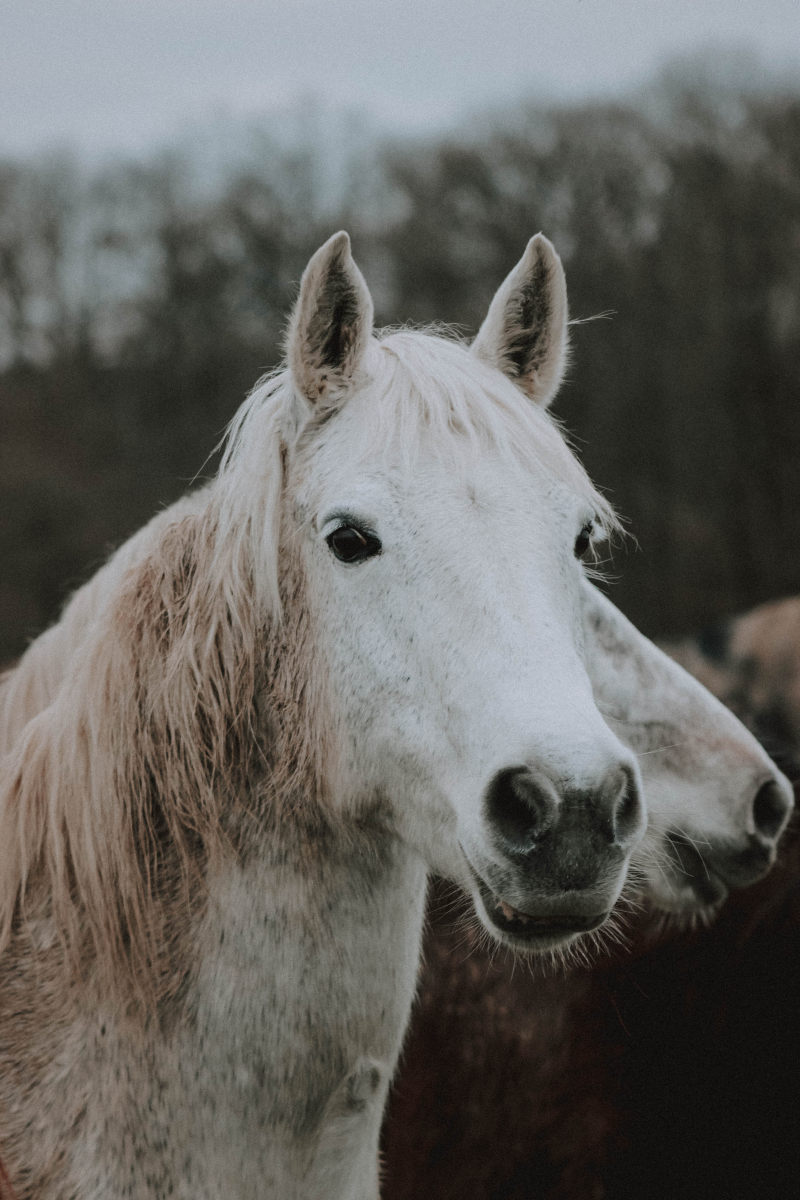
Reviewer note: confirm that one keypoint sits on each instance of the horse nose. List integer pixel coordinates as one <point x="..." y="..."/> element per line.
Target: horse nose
<point x="626" y="808"/>
<point x="740" y="864"/>
<point x="772" y="807"/>
<point x="523" y="806"/>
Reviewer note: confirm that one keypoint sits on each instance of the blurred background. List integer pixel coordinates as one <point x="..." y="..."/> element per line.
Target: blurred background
<point x="166" y="170"/>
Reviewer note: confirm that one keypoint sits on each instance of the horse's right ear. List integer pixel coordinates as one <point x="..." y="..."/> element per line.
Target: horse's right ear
<point x="525" y="331"/>
<point x="331" y="324"/>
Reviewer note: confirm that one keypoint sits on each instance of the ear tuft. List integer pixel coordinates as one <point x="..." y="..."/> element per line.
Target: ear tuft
<point x="331" y="324"/>
<point x="525" y="330"/>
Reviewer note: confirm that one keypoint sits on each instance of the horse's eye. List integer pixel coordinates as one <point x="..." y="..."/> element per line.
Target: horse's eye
<point x="584" y="540"/>
<point x="351" y="545"/>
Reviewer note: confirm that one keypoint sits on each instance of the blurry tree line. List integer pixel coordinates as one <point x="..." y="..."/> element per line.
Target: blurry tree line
<point x="139" y="302"/>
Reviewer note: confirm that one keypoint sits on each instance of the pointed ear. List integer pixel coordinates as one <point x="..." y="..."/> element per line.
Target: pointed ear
<point x="331" y="324"/>
<point x="525" y="331"/>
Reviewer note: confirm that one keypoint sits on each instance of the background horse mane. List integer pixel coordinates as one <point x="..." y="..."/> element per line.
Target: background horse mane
<point x="130" y="728"/>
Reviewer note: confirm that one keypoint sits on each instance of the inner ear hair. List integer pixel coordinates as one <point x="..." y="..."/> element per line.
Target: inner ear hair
<point x="331" y="324"/>
<point x="525" y="331"/>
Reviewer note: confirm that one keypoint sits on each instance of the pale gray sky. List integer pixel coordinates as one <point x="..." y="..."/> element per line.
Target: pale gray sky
<point x="119" y="75"/>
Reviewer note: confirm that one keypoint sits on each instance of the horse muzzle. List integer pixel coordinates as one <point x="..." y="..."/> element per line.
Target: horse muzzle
<point x="557" y="857"/>
<point x="702" y="872"/>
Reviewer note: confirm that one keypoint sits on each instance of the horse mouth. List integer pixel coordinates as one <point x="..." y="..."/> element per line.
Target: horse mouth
<point x="696" y="885"/>
<point x="534" y="931"/>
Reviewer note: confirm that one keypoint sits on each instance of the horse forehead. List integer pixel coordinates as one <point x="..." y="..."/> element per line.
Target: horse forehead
<point x="434" y="495"/>
<point x="459" y="477"/>
<point x="466" y="440"/>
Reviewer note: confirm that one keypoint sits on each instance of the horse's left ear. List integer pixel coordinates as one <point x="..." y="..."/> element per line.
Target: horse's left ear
<point x="525" y="331"/>
<point x="331" y="324"/>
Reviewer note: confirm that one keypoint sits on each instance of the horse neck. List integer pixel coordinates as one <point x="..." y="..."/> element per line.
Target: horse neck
<point x="351" y="881"/>
<point x="320" y="913"/>
<point x="304" y="958"/>
<point x="307" y="960"/>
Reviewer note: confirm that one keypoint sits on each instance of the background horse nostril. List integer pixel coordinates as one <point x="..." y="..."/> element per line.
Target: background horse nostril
<point x="521" y="807"/>
<point x="771" y="809"/>
<point x="627" y="814"/>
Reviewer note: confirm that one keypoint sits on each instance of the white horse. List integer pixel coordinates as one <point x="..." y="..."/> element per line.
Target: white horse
<point x="358" y="656"/>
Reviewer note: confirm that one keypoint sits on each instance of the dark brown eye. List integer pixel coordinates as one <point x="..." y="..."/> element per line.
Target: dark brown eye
<point x="352" y="545"/>
<point x="584" y="540"/>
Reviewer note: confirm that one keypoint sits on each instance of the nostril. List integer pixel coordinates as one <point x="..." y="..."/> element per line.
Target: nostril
<point x="771" y="809"/>
<point x="627" y="813"/>
<point x="521" y="807"/>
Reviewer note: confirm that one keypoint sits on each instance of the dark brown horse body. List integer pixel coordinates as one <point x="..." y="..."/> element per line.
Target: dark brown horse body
<point x="669" y="1071"/>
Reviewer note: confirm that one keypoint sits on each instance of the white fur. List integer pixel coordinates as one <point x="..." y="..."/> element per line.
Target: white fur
<point x="230" y="767"/>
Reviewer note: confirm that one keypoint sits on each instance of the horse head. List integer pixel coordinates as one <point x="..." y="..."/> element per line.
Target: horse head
<point x="440" y="522"/>
<point x="717" y="804"/>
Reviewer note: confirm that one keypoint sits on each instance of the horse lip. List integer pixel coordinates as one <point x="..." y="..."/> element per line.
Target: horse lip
<point x="713" y="874"/>
<point x="744" y="868"/>
<point x="695" y="872"/>
<point x="528" y="928"/>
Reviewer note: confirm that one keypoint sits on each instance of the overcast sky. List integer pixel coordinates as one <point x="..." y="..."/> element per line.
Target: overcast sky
<point x="120" y="75"/>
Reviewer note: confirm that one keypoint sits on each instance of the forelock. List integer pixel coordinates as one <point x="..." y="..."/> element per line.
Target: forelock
<point x="429" y="392"/>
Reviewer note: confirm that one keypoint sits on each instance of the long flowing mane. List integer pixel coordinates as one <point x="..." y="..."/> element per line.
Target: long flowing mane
<point x="130" y="729"/>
